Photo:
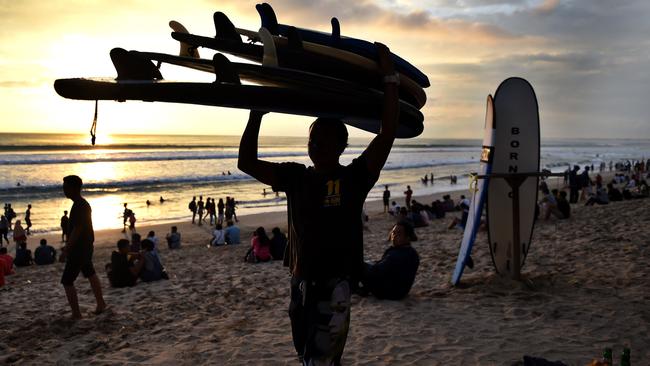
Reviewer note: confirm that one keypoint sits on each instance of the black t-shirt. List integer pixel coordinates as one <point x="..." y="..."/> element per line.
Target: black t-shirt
<point x="44" y="254"/>
<point x="386" y="195"/>
<point x="392" y="277"/>
<point x="64" y="222"/>
<point x="564" y="207"/>
<point x="81" y="217"/>
<point x="324" y="214"/>
<point x="120" y="274"/>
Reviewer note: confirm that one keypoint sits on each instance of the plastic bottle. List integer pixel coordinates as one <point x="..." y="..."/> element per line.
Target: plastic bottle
<point x="625" y="357"/>
<point x="607" y="356"/>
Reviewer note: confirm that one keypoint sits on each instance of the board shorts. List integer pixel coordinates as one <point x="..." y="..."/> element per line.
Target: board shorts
<point x="78" y="260"/>
<point x="320" y="319"/>
<point x="28" y="222"/>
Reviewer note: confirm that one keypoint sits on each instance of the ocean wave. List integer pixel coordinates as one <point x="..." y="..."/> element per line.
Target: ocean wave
<point x="131" y="185"/>
<point x="114" y="158"/>
<point x="423" y="164"/>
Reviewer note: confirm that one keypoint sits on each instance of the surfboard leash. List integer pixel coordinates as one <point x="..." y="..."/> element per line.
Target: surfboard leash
<point x="93" y="128"/>
<point x="473" y="182"/>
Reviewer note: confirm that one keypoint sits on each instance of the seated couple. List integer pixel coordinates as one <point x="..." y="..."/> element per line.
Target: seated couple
<point x="229" y="235"/>
<point x="124" y="271"/>
<point x="392" y="277"/>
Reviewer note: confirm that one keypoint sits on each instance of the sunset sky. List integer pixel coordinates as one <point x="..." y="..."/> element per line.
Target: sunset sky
<point x="588" y="60"/>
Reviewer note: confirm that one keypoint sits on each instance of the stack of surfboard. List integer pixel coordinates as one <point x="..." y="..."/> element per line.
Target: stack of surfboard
<point x="295" y="71"/>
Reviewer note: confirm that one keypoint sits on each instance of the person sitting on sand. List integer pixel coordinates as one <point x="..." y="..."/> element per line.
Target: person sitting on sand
<point x="4" y="229"/>
<point x="19" y="233"/>
<point x="278" y="244"/>
<point x="218" y="236"/>
<point x="136" y="242"/>
<point x="392" y="277"/>
<point x="394" y="209"/>
<point x="123" y="272"/>
<point x="174" y="239"/>
<point x="6" y="261"/>
<point x="152" y="268"/>
<point x="23" y="256"/>
<point x="563" y="205"/>
<point x="260" y="250"/>
<point x="151" y="236"/>
<point x="614" y="193"/>
<point x="6" y="265"/>
<point x="232" y="233"/>
<point x="447" y="203"/>
<point x="44" y="254"/>
<point x="548" y="204"/>
<point x="600" y="196"/>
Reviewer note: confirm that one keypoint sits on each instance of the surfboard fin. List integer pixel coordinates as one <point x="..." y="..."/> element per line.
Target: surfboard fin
<point x="224" y="27"/>
<point x="224" y="70"/>
<point x="130" y="66"/>
<point x="268" y="18"/>
<point x="186" y="50"/>
<point x="294" y="38"/>
<point x="270" y="57"/>
<point x="336" y="29"/>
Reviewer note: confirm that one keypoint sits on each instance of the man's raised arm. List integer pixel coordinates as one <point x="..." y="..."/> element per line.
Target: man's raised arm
<point x="248" y="161"/>
<point x="377" y="152"/>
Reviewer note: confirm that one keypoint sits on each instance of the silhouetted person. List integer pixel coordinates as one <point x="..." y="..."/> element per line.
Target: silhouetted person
<point x="79" y="247"/>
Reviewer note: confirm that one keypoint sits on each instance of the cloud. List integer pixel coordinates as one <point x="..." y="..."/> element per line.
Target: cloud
<point x="547" y="6"/>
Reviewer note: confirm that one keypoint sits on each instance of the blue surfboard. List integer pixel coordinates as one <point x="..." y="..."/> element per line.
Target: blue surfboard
<point x="478" y="198"/>
<point x="354" y="45"/>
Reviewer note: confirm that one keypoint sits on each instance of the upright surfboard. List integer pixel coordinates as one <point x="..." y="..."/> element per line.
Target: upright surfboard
<point x="516" y="150"/>
<point x="478" y="198"/>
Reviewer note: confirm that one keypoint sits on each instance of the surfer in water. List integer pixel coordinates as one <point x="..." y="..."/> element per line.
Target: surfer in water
<point x="325" y="263"/>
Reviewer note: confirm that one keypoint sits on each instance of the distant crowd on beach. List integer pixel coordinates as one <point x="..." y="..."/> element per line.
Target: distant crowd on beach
<point x="136" y="259"/>
<point x="216" y="212"/>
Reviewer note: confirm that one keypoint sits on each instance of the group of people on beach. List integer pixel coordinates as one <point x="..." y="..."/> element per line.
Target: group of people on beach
<point x="218" y="213"/>
<point x="263" y="248"/>
<point x="135" y="260"/>
<point x="18" y="232"/>
<point x="626" y="184"/>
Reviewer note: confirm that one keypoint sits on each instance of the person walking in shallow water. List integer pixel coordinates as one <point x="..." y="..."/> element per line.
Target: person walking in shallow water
<point x="64" y="226"/>
<point x="386" y="199"/>
<point x="28" y="219"/>
<point x="192" y="207"/>
<point x="78" y="249"/>
<point x="325" y="263"/>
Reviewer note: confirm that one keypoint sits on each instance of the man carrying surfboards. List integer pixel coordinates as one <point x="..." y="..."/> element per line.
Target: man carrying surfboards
<point x="325" y="262"/>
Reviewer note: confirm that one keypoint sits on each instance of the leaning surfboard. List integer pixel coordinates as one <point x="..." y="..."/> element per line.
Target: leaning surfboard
<point x="516" y="150"/>
<point x="478" y="197"/>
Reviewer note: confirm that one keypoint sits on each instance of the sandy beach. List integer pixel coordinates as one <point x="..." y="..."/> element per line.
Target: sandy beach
<point x="585" y="287"/>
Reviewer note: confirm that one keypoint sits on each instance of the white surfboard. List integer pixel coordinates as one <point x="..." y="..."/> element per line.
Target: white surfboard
<point x="478" y="195"/>
<point x="516" y="150"/>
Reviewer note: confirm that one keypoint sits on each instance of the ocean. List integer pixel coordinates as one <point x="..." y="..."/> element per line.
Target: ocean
<point x="135" y="168"/>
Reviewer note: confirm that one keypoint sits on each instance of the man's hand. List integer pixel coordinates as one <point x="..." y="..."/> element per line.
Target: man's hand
<point x="386" y="65"/>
